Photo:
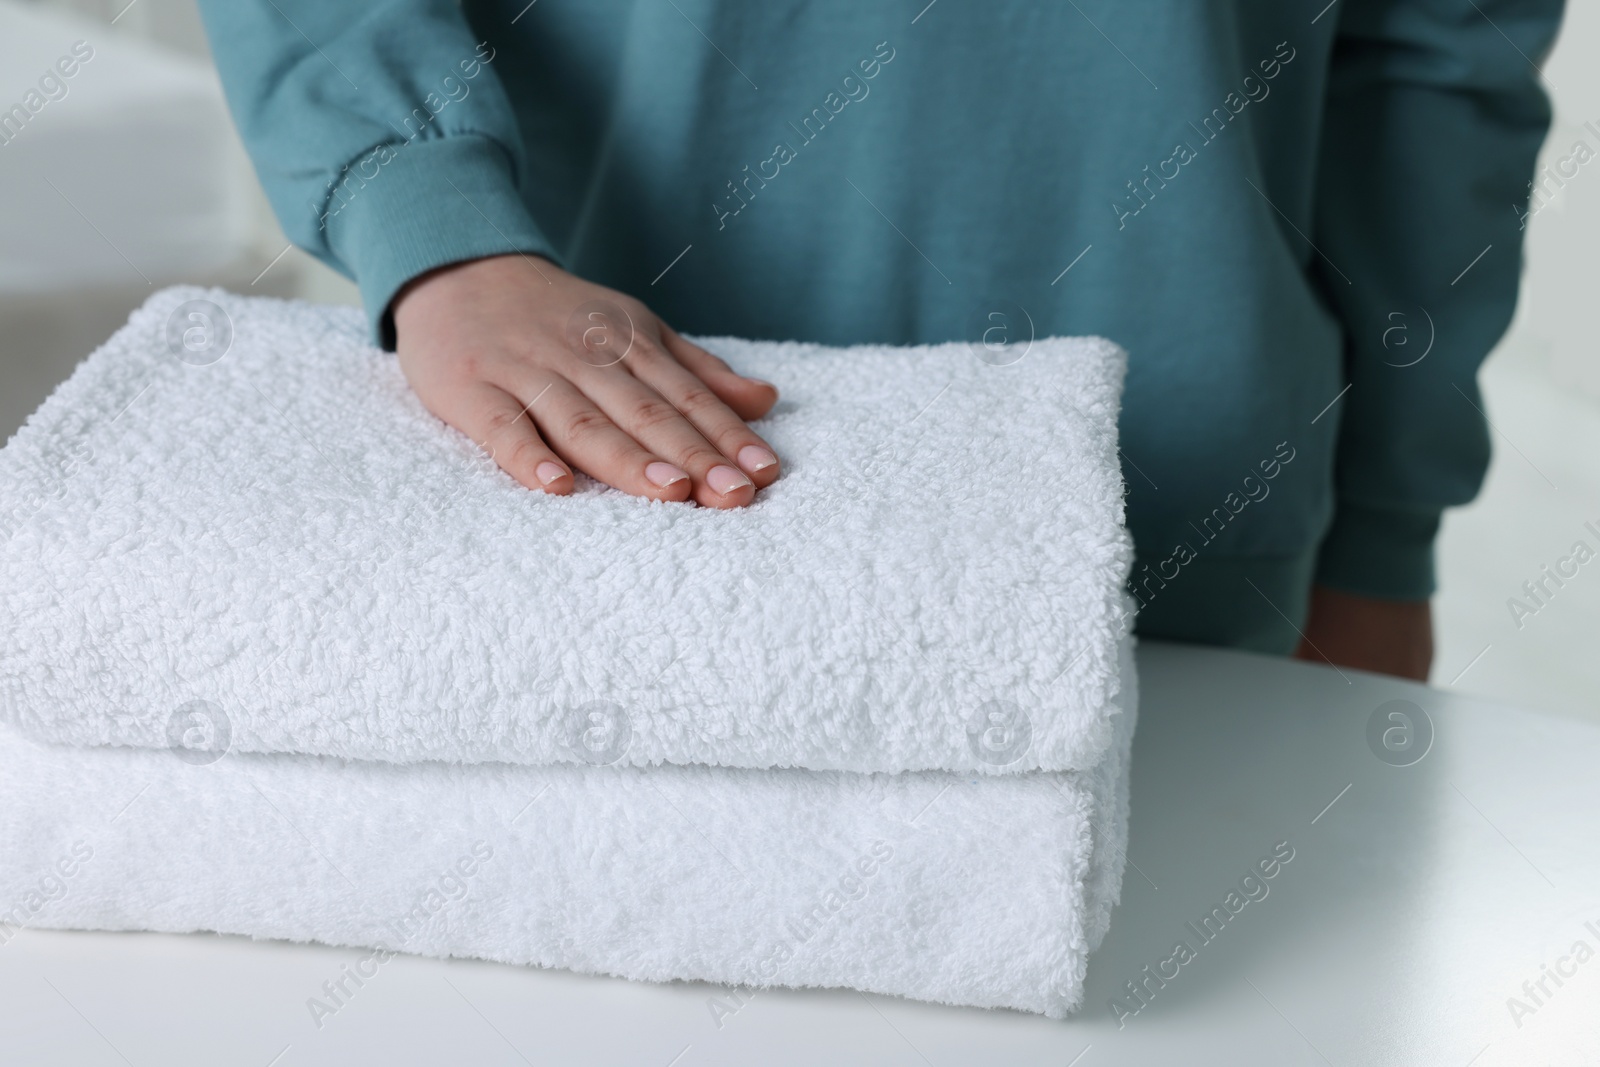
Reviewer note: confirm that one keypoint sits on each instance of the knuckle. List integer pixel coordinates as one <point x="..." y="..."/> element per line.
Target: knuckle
<point x="699" y="400"/>
<point x="501" y="421"/>
<point x="701" y="457"/>
<point x="654" y="412"/>
<point x="584" y="425"/>
<point x="466" y="367"/>
<point x="648" y="349"/>
<point x="524" y="453"/>
<point x="470" y="365"/>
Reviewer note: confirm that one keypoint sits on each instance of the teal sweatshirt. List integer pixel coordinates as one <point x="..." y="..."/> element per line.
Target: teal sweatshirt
<point x="1302" y="219"/>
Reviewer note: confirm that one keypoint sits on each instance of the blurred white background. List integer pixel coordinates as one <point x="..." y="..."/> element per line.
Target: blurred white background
<point x="135" y="180"/>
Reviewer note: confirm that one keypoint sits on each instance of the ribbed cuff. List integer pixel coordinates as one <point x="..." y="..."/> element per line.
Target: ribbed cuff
<point x="429" y="203"/>
<point x="1379" y="552"/>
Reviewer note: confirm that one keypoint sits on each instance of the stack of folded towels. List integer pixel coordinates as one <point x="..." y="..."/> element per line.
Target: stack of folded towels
<point x="284" y="656"/>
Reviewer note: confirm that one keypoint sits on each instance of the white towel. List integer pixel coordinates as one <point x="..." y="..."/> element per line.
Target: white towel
<point x="275" y="526"/>
<point x="976" y="890"/>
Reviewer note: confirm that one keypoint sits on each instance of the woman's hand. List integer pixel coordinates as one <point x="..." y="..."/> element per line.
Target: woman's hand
<point x="1386" y="636"/>
<point x="509" y="351"/>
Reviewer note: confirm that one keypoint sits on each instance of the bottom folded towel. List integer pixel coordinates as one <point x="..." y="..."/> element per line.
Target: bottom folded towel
<point x="988" y="891"/>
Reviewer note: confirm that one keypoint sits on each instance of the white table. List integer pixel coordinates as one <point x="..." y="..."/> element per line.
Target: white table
<point x="1420" y="898"/>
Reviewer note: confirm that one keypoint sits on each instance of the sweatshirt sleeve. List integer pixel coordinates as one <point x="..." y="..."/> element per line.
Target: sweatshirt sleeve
<point x="1435" y="116"/>
<point x="381" y="133"/>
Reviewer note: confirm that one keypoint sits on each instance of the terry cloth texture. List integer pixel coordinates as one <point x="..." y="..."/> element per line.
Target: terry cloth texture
<point x="986" y="891"/>
<point x="238" y="504"/>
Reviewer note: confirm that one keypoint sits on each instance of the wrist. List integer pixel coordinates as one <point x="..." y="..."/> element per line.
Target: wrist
<point x="440" y="286"/>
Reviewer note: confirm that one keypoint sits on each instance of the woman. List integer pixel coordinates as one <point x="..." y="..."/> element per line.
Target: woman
<point x="1302" y="220"/>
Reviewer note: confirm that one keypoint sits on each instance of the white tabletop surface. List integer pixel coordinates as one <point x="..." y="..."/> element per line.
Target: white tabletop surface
<point x="1420" y="899"/>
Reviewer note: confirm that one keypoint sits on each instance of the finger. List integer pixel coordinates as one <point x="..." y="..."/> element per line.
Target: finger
<point x="497" y="421"/>
<point x="714" y="420"/>
<point x="583" y="435"/>
<point x="653" y="421"/>
<point x="750" y="398"/>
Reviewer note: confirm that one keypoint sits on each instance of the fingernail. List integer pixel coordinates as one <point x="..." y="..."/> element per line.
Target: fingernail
<point x="725" y="479"/>
<point x="755" y="458"/>
<point x="548" y="472"/>
<point x="664" y="474"/>
<point x="762" y="381"/>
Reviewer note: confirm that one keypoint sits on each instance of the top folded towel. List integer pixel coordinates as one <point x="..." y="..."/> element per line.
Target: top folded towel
<point x="236" y="526"/>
